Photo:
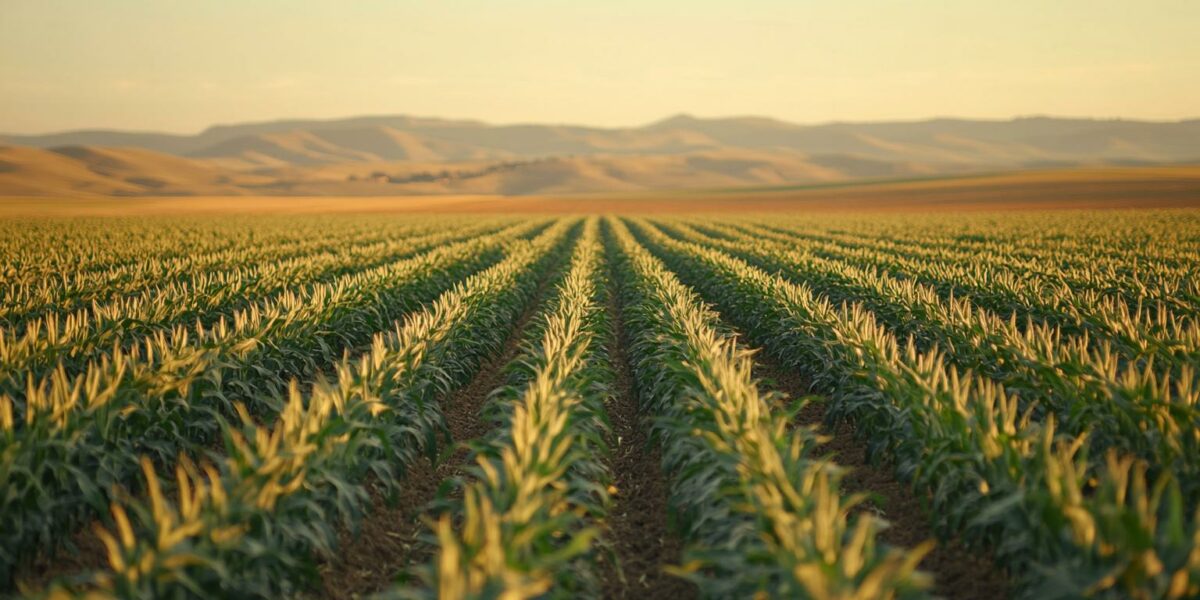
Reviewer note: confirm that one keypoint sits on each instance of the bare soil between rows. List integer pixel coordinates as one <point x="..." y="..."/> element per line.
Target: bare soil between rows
<point x="84" y="554"/>
<point x="960" y="573"/>
<point x="638" y="528"/>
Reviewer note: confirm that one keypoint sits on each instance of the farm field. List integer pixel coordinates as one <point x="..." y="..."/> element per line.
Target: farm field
<point x="810" y="405"/>
<point x="1104" y="187"/>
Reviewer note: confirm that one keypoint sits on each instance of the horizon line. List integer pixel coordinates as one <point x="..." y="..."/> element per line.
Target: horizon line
<point x="670" y="117"/>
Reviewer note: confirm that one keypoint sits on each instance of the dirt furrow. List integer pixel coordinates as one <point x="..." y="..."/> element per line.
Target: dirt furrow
<point x="637" y="525"/>
<point x="959" y="572"/>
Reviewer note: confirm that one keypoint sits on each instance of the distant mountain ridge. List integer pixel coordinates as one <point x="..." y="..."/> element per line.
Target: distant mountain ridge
<point x="1011" y="143"/>
<point x="407" y="155"/>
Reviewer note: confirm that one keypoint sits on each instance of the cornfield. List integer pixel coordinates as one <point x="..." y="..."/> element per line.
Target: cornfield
<point x="448" y="407"/>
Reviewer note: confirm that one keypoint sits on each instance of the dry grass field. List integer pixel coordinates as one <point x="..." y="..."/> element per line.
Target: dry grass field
<point x="1107" y="187"/>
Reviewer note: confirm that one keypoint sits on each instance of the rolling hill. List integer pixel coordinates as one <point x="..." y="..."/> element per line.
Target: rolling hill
<point x="108" y="171"/>
<point x="91" y="170"/>
<point x="408" y="155"/>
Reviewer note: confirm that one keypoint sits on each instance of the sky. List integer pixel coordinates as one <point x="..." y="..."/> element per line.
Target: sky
<point x="180" y="66"/>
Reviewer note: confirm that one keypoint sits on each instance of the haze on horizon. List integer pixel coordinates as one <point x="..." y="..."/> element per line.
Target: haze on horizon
<point x="181" y="66"/>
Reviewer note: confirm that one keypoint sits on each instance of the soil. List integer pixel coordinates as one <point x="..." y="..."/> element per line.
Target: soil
<point x="959" y="572"/>
<point x="386" y="538"/>
<point x="638" y="528"/>
<point x="87" y="554"/>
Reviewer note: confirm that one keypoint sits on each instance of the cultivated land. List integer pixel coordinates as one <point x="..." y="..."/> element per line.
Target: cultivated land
<point x="802" y="402"/>
<point x="1100" y="187"/>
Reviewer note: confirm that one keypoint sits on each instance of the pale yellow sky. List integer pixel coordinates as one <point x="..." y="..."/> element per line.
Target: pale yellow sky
<point x="179" y="65"/>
